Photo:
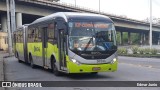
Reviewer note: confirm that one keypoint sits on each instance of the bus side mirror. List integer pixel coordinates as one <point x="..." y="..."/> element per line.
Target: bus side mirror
<point x="65" y="29"/>
<point x="63" y="26"/>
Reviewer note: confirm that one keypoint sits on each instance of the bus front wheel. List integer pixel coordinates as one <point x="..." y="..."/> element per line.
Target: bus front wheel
<point x="18" y="58"/>
<point x="31" y="62"/>
<point x="55" y="70"/>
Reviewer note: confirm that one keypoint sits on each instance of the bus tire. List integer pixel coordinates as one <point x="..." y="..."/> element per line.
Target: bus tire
<point x="52" y="63"/>
<point x="31" y="62"/>
<point x="18" y="58"/>
<point x="55" y="70"/>
<point x="15" y="54"/>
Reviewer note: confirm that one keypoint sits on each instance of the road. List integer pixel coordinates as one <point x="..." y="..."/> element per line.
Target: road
<point x="129" y="69"/>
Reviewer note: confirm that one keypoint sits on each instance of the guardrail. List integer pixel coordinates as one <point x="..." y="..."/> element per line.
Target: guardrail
<point x="84" y="9"/>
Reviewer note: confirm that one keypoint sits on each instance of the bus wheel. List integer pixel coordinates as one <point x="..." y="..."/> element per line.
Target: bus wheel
<point x="31" y="62"/>
<point x="18" y="58"/>
<point x="55" y="70"/>
<point x="15" y="54"/>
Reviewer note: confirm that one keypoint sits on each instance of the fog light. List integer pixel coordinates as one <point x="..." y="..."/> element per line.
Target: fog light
<point x="75" y="61"/>
<point x="114" y="60"/>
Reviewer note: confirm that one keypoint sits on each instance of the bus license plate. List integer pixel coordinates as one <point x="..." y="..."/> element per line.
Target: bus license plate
<point x="96" y="68"/>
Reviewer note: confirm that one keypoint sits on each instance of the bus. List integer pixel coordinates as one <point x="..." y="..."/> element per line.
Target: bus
<point x="20" y="43"/>
<point x="69" y="42"/>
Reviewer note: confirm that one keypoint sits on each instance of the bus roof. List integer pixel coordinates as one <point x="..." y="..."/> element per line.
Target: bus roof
<point x="74" y="16"/>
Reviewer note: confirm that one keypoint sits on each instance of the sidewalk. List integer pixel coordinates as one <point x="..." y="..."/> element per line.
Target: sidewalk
<point x="2" y="54"/>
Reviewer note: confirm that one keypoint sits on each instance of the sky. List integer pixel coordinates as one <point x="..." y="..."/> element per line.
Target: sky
<point x="135" y="9"/>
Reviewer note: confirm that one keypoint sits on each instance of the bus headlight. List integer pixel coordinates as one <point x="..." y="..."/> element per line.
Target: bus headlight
<point x="75" y="61"/>
<point x="114" y="60"/>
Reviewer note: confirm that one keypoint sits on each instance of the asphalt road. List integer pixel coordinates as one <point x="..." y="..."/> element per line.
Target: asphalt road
<point x="129" y="69"/>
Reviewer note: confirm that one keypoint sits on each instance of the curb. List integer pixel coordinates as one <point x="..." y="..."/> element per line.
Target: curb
<point x="2" y="68"/>
<point x="2" y="72"/>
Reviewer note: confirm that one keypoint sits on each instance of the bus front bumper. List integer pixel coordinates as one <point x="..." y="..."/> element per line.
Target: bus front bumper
<point x="86" y="68"/>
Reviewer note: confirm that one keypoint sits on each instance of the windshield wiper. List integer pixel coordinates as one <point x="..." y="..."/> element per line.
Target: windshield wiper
<point x="91" y="39"/>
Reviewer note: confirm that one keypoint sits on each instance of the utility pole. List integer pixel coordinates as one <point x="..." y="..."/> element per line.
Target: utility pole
<point x="150" y="39"/>
<point x="75" y="3"/>
<point x="99" y="6"/>
<point x="12" y="9"/>
<point x="9" y="29"/>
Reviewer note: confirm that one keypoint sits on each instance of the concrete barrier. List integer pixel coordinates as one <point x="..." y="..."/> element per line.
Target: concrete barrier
<point x="2" y="55"/>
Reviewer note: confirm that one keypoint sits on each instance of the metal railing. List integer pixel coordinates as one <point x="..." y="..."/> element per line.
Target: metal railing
<point x="83" y="9"/>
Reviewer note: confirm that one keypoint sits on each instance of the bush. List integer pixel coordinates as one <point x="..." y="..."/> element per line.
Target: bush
<point x="147" y="51"/>
<point x="134" y="49"/>
<point x="141" y="50"/>
<point x="158" y="50"/>
<point x="122" y="51"/>
<point x="154" y="51"/>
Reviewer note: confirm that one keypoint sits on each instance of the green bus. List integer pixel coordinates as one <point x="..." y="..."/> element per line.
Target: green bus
<point x="69" y="42"/>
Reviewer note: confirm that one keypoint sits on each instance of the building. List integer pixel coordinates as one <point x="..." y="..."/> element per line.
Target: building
<point x="3" y="41"/>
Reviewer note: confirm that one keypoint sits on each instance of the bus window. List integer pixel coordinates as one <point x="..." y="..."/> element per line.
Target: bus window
<point x="51" y="33"/>
<point x="36" y="35"/>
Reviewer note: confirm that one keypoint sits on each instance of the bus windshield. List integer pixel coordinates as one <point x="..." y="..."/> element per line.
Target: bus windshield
<point x="92" y="36"/>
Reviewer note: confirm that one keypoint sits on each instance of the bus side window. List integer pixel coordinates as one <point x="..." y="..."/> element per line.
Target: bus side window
<point x="39" y="35"/>
<point x="36" y="35"/>
<point x="21" y="36"/>
<point x="29" y="35"/>
<point x="32" y="35"/>
<point x="55" y="31"/>
<point x="14" y="37"/>
<point x="18" y="36"/>
<point x="50" y="33"/>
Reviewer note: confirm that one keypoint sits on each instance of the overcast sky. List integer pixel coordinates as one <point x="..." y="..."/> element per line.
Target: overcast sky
<point x="135" y="9"/>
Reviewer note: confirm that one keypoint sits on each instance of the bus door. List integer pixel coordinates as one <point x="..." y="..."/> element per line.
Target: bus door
<point x="62" y="48"/>
<point x="25" y="44"/>
<point x="14" y="43"/>
<point x="44" y="47"/>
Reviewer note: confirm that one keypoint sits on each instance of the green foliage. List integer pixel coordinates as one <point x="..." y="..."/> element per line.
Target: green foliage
<point x="122" y="51"/>
<point x="135" y="38"/>
<point x="141" y="50"/>
<point x="134" y="49"/>
<point x="118" y="37"/>
<point x="154" y="51"/>
<point x="125" y="37"/>
<point x="158" y="51"/>
<point x="147" y="51"/>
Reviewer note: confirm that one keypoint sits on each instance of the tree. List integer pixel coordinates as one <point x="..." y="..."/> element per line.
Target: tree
<point x="155" y="20"/>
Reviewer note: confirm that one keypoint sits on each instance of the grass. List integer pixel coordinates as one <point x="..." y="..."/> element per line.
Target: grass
<point x="141" y="55"/>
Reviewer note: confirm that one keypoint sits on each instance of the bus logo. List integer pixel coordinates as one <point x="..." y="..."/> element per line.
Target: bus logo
<point x="101" y="61"/>
<point x="36" y="49"/>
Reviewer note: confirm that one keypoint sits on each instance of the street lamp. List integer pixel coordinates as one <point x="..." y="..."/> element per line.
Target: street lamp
<point x="99" y="6"/>
<point x="75" y="2"/>
<point x="150" y="24"/>
<point x="9" y="29"/>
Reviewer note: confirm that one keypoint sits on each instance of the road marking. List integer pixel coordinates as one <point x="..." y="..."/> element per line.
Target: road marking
<point x="148" y="66"/>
